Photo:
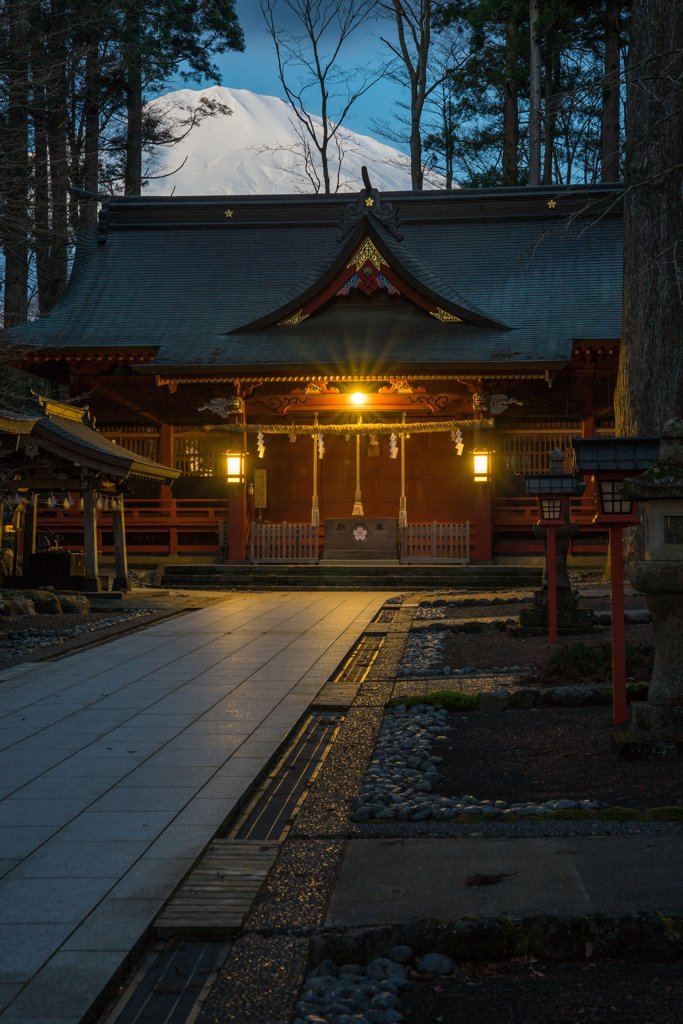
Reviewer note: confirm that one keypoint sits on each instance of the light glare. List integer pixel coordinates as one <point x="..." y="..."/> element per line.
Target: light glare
<point x="358" y="398"/>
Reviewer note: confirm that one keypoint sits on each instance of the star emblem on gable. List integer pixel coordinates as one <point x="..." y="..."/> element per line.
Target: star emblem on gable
<point x="369" y="201"/>
<point x="228" y="213"/>
<point x="552" y="204"/>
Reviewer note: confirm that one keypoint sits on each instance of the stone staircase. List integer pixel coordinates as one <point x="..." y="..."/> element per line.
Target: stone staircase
<point x="354" y="576"/>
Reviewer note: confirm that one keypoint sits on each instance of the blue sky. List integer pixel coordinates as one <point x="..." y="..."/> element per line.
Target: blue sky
<point x="256" y="68"/>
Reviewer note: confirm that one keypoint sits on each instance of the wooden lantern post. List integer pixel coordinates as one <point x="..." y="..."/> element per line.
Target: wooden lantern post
<point x="610" y="461"/>
<point x="553" y="491"/>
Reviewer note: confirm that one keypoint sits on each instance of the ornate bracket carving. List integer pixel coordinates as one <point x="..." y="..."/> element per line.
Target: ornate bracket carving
<point x="369" y="203"/>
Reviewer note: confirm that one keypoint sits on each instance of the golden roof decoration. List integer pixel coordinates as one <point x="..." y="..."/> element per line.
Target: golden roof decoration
<point x="294" y="319"/>
<point x="367" y="251"/>
<point x="441" y="314"/>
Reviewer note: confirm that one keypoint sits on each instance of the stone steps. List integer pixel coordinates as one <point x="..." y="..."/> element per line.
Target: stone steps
<point x="374" y="577"/>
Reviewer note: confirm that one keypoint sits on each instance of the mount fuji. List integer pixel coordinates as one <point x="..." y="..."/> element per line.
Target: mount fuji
<point x="256" y="150"/>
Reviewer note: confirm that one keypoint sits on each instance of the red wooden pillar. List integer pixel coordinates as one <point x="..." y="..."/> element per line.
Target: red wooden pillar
<point x="552" y="586"/>
<point x="618" y="632"/>
<point x="483" y="523"/>
<point x="237" y="508"/>
<point x="166" y="455"/>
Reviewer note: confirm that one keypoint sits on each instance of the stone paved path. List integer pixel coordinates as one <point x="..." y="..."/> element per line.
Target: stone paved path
<point x="119" y="764"/>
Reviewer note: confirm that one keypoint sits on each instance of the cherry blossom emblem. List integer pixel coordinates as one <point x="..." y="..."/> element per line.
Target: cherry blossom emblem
<point x="360" y="533"/>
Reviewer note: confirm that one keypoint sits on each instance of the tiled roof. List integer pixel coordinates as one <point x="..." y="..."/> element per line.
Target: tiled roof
<point x="178" y="275"/>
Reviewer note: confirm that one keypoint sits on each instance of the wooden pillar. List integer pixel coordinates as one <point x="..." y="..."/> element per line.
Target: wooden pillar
<point x="92" y="578"/>
<point x="121" y="582"/>
<point x="483" y="523"/>
<point x="166" y="455"/>
<point x="237" y="509"/>
<point x="618" y="630"/>
<point x="30" y="525"/>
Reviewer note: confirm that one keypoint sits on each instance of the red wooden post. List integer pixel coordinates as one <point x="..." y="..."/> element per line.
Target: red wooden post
<point x="237" y="509"/>
<point x="618" y="638"/>
<point x="552" y="587"/>
<point x="483" y="523"/>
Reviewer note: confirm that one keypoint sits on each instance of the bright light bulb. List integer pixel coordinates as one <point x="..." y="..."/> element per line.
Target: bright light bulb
<point x="358" y="398"/>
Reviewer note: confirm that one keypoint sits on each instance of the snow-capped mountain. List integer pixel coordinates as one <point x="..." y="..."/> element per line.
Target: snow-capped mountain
<point x="256" y="150"/>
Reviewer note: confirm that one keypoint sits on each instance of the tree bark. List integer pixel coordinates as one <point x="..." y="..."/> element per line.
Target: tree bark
<point x="132" y="32"/>
<point x="650" y="378"/>
<point x="552" y="76"/>
<point x="57" y="115"/>
<point x="510" y="107"/>
<point x="610" y="95"/>
<point x="91" y="117"/>
<point x="534" y="96"/>
<point x="16" y="170"/>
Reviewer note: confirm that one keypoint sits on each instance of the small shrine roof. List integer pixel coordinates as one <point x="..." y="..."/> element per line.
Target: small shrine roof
<point x="67" y="431"/>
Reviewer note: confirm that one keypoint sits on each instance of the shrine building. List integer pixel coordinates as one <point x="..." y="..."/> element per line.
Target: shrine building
<point x="382" y="356"/>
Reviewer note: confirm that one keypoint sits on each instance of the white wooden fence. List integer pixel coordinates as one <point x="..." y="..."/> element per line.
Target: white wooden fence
<point x="435" y="542"/>
<point x="283" y="542"/>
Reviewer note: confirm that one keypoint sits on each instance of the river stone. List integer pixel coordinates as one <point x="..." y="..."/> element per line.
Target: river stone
<point x="74" y="604"/>
<point x="45" y="602"/>
<point x="436" y="963"/>
<point x="524" y="698"/>
<point x="327" y="968"/>
<point x="401" y="954"/>
<point x="498" y="701"/>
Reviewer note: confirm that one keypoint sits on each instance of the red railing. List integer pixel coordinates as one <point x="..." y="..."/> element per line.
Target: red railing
<point x="156" y="527"/>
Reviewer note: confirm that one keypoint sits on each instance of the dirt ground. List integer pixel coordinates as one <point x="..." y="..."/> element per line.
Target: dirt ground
<point x="484" y="650"/>
<point x="608" y="992"/>
<point x="550" y="754"/>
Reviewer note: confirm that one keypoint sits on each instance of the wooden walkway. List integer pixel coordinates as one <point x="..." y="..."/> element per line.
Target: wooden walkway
<point x="214" y="900"/>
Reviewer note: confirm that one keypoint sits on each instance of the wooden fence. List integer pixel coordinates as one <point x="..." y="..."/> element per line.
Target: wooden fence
<point x="283" y="542"/>
<point x="435" y="542"/>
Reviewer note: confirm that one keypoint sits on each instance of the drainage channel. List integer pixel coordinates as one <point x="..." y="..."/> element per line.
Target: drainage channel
<point x="173" y="981"/>
<point x="340" y="691"/>
<point x="171" y="984"/>
<point x="271" y="813"/>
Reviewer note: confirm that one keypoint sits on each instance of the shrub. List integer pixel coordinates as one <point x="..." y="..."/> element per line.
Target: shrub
<point x="580" y="657"/>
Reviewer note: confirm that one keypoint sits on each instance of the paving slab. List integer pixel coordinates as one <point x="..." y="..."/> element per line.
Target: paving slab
<point x="119" y="763"/>
<point x="390" y="881"/>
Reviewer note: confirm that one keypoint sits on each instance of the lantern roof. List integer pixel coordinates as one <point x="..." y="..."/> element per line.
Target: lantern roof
<point x="614" y="454"/>
<point x="547" y="485"/>
<point x="664" y="479"/>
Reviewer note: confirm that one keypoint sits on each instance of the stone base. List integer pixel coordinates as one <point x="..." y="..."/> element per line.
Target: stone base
<point x="569" y="616"/>
<point x="122" y="583"/>
<point x="655" y="723"/>
<point x="626" y="748"/>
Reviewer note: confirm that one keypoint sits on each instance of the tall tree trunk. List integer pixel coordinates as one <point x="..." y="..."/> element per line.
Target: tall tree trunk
<point x="91" y="117"/>
<point x="534" y="96"/>
<point x="16" y="170"/>
<point x="650" y="378"/>
<point x="132" y="33"/>
<point x="59" y="177"/>
<point x="41" y="184"/>
<point x="552" y="88"/>
<point x="610" y="95"/>
<point x="510" y="107"/>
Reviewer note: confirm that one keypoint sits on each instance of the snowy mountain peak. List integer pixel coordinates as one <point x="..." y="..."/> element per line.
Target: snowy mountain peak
<point x="256" y="150"/>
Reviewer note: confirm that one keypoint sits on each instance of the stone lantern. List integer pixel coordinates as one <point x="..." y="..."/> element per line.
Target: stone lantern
<point x="659" y="720"/>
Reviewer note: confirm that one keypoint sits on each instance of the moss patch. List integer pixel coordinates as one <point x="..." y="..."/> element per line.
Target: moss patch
<point x="451" y="700"/>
